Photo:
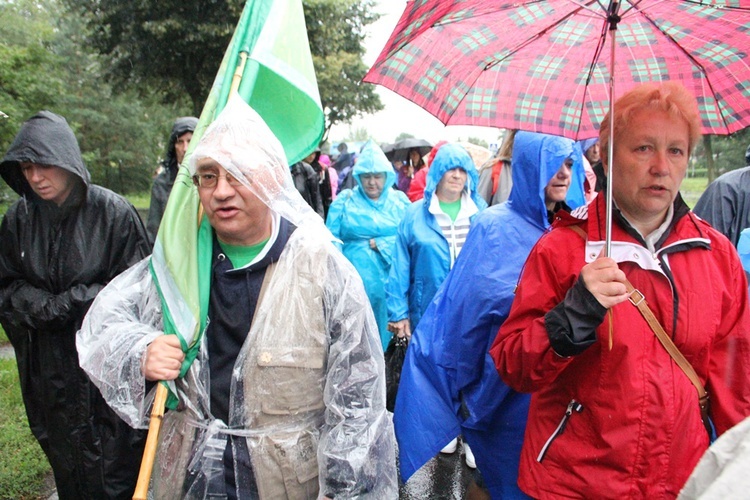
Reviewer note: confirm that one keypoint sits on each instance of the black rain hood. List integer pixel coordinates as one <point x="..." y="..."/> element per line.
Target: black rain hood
<point x="44" y="139"/>
<point x="181" y="125"/>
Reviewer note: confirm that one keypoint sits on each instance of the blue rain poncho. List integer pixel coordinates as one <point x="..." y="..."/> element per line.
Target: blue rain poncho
<point x="447" y="362"/>
<point x="423" y="257"/>
<point x="355" y="219"/>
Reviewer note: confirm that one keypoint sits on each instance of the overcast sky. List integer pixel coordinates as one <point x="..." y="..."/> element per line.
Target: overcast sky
<point x="401" y="115"/>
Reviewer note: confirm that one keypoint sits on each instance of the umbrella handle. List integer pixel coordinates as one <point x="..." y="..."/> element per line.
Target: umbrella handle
<point x="149" y="452"/>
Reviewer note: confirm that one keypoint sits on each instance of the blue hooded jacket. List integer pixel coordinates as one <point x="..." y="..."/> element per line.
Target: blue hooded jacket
<point x="447" y="365"/>
<point x="355" y="219"/>
<point x="422" y="256"/>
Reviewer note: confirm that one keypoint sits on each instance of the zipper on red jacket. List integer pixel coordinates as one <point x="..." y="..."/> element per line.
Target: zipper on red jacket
<point x="572" y="406"/>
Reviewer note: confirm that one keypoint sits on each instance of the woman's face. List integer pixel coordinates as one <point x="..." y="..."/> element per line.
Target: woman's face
<point x="451" y="185"/>
<point x="372" y="184"/>
<point x="414" y="157"/>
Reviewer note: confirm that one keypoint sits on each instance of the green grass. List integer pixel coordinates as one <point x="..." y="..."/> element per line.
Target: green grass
<point x="140" y="201"/>
<point x="3" y="337"/>
<point x="23" y="466"/>
<point x="692" y="188"/>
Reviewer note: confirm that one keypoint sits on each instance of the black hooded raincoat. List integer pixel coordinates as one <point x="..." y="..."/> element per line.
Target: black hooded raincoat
<point x="165" y="179"/>
<point x="53" y="262"/>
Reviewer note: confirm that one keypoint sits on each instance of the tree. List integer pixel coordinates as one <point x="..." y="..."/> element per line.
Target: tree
<point x="478" y="142"/>
<point x="360" y="134"/>
<point x="45" y="63"/>
<point x="336" y="31"/>
<point x="727" y="152"/>
<point x="177" y="45"/>
<point x="173" y="45"/>
<point x="29" y="78"/>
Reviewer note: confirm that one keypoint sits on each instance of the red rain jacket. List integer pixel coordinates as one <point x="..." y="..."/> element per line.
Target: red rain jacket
<point x="638" y="431"/>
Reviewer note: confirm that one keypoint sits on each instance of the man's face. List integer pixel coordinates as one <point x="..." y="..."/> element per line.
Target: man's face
<point x="650" y="161"/>
<point x="235" y="213"/>
<point x="372" y="184"/>
<point x="592" y="154"/>
<point x="181" y="146"/>
<point x="557" y="188"/>
<point x="50" y="183"/>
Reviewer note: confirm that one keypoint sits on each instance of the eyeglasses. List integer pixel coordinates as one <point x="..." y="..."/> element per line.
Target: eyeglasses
<point x="210" y="180"/>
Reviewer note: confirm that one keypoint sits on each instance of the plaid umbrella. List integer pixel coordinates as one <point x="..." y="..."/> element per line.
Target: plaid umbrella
<point x="544" y="66"/>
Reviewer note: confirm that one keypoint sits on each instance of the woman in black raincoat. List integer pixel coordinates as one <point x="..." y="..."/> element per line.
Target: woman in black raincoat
<point x="62" y="242"/>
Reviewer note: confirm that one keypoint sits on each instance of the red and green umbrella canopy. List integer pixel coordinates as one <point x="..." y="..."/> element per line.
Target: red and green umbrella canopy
<point x="544" y="66"/>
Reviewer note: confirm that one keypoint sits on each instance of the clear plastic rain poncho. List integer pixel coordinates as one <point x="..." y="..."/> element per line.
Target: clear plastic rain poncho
<point x="356" y="219"/>
<point x="308" y="388"/>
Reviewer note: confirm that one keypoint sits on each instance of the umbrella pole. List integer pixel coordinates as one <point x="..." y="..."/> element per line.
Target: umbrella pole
<point x="612" y="19"/>
<point x="149" y="452"/>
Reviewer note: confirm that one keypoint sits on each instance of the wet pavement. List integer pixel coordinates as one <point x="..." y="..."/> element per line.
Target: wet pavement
<point x="6" y="352"/>
<point x="445" y="477"/>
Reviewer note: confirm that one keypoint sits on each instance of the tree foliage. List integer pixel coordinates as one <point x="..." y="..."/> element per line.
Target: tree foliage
<point x="336" y="31"/>
<point x="45" y="63"/>
<point x="173" y="45"/>
<point x="28" y="71"/>
<point x="178" y="45"/>
<point x="728" y="152"/>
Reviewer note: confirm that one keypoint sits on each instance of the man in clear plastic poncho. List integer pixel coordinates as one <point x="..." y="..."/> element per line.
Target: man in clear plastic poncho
<point x="287" y="396"/>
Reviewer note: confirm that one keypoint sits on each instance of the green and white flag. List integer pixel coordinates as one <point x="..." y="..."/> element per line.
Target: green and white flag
<point x="270" y="63"/>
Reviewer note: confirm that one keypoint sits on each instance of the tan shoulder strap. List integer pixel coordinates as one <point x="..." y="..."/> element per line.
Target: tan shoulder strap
<point x="638" y="300"/>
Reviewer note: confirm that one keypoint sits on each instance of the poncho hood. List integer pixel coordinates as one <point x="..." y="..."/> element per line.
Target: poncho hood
<point x="243" y="144"/>
<point x="44" y="139"/>
<point x="536" y="159"/>
<point x="372" y="160"/>
<point x="448" y="157"/>
<point x="181" y="125"/>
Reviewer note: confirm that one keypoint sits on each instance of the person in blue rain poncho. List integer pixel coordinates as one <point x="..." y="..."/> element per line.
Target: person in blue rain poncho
<point x="365" y="219"/>
<point x="449" y="385"/>
<point x="429" y="238"/>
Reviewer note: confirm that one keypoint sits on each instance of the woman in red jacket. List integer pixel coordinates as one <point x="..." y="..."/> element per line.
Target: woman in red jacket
<point x="612" y="415"/>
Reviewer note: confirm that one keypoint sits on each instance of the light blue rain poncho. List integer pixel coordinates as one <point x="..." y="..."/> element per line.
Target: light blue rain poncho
<point x="355" y="219"/>
<point x="423" y="256"/>
<point x="743" y="248"/>
<point x="447" y="362"/>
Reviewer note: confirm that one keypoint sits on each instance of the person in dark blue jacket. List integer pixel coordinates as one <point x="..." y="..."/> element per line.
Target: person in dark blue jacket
<point x="449" y="386"/>
<point x="366" y="219"/>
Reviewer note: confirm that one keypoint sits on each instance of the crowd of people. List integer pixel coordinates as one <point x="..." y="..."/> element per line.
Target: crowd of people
<point x="568" y="366"/>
